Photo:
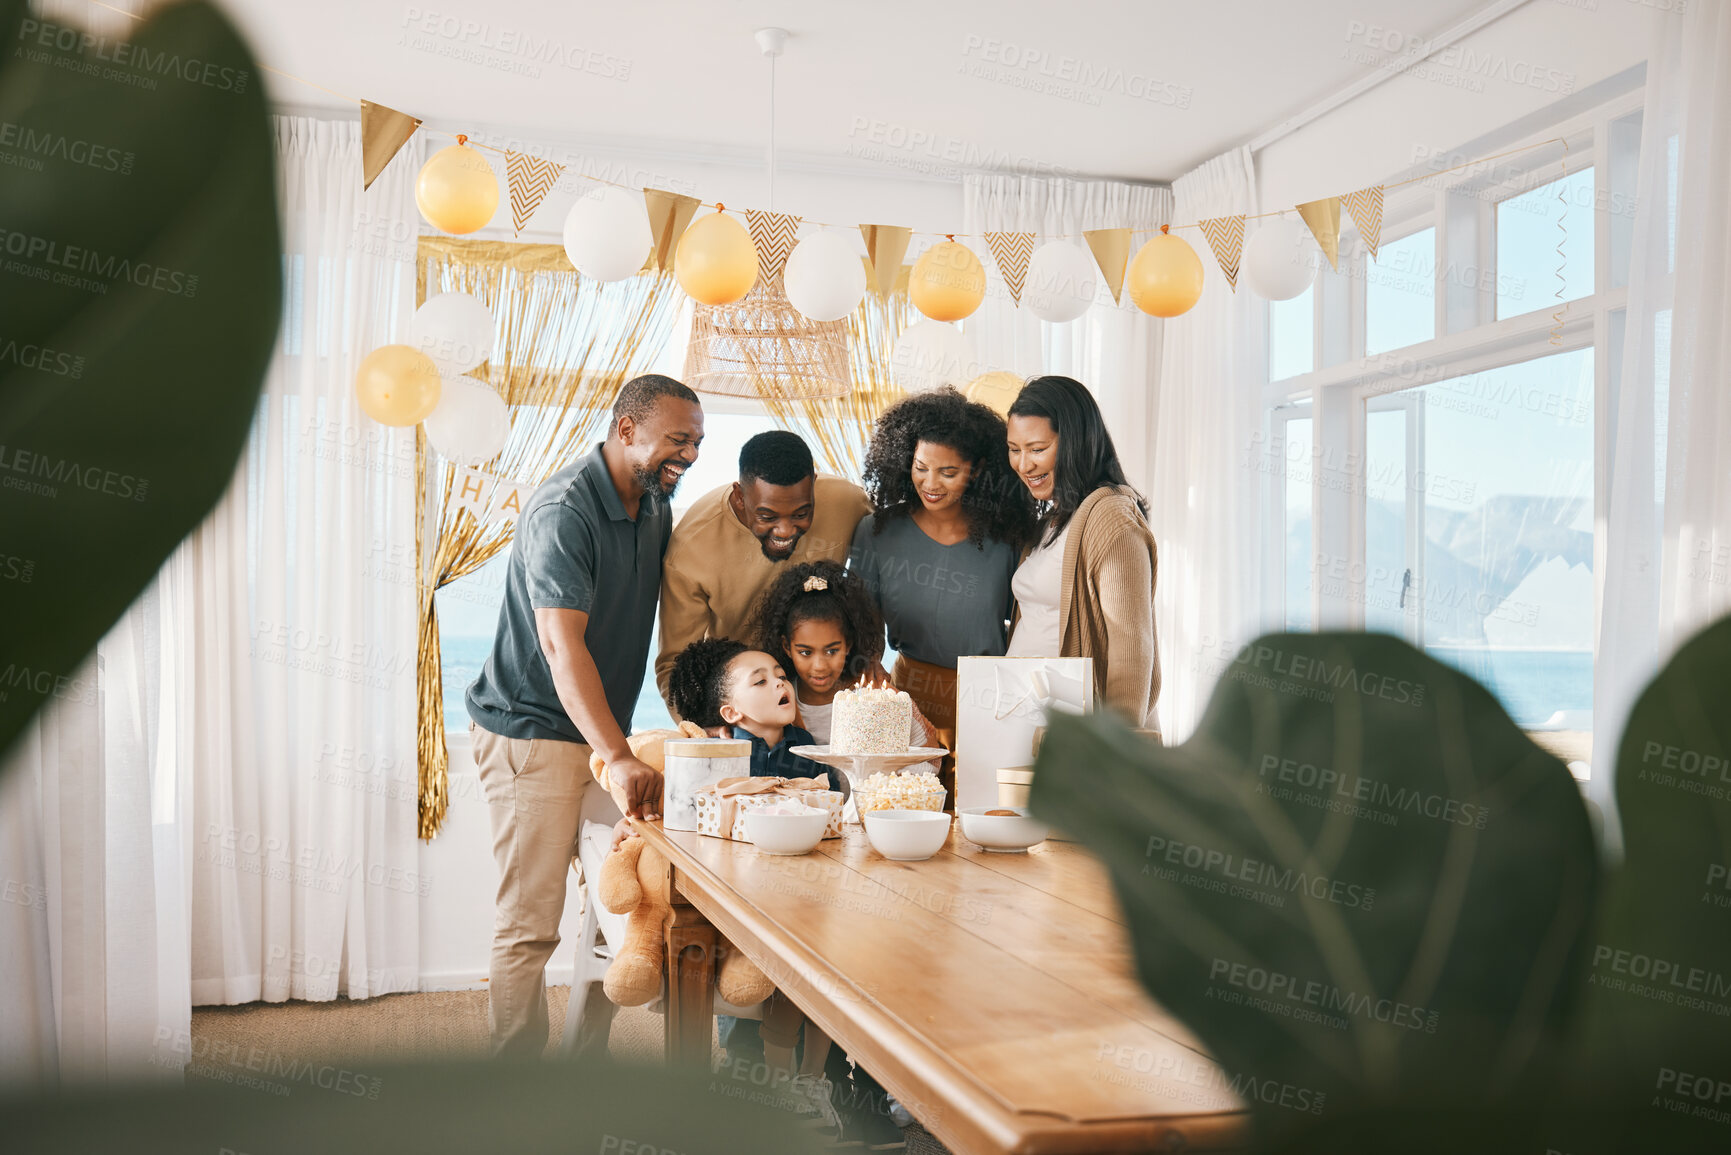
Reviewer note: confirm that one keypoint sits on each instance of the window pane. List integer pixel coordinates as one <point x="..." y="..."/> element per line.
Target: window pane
<point x="1400" y="293"/>
<point x="1299" y="539"/>
<point x="468" y="617"/>
<point x="1530" y="229"/>
<point x="1292" y="336"/>
<point x="1388" y="583"/>
<point x="1507" y="488"/>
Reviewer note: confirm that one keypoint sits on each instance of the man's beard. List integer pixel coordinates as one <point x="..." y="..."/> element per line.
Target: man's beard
<point x="763" y="544"/>
<point x="651" y="483"/>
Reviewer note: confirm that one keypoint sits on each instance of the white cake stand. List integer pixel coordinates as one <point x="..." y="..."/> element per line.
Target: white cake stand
<point x="856" y="768"/>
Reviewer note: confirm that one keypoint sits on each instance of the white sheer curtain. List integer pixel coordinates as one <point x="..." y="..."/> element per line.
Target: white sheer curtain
<point x="1112" y="349"/>
<point x="93" y="945"/>
<point x="293" y="608"/>
<point x="1205" y="499"/>
<point x="220" y="807"/>
<point x="1668" y="535"/>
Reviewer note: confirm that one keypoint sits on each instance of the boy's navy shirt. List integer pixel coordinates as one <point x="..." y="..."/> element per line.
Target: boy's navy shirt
<point x="779" y="761"/>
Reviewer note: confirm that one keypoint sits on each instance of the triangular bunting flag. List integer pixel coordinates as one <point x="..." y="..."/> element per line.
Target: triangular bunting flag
<point x="774" y="234"/>
<point x="1323" y="217"/>
<point x="530" y="179"/>
<point x="383" y="132"/>
<point x="886" y="245"/>
<point x="1011" y="251"/>
<point x="1226" y="237"/>
<point x="1111" y="249"/>
<point x="1365" y="205"/>
<point x="669" y="213"/>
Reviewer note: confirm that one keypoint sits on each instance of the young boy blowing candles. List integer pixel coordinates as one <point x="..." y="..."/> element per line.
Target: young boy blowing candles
<point x="733" y="691"/>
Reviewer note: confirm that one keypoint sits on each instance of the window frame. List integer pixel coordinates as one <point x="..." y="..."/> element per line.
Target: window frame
<point x="1469" y="338"/>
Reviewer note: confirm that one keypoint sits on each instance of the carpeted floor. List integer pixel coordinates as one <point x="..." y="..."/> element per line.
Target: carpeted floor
<point x="416" y="1026"/>
<point x="410" y="1026"/>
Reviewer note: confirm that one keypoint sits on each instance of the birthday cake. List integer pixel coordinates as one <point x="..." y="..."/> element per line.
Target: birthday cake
<point x="871" y="721"/>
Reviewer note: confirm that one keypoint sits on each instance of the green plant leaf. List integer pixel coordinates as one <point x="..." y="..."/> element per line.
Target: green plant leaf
<point x="1656" y="1027"/>
<point x="262" y="1101"/>
<point x="140" y="289"/>
<point x="1359" y="878"/>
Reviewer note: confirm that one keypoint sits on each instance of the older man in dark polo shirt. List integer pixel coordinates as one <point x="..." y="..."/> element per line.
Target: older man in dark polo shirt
<point x="563" y="678"/>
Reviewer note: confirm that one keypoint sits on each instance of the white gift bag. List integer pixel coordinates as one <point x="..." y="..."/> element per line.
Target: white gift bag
<point x="1000" y="702"/>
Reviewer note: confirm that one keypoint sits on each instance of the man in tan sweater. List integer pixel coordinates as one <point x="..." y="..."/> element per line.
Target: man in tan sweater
<point x="733" y="541"/>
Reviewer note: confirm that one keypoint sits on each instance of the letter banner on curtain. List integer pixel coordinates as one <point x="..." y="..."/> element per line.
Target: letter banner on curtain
<point x="511" y="496"/>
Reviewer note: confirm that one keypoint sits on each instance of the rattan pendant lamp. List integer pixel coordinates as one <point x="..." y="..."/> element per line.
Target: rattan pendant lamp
<point x="760" y="345"/>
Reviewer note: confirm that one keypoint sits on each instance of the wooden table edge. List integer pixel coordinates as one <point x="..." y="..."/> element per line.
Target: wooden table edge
<point x="980" y="1121"/>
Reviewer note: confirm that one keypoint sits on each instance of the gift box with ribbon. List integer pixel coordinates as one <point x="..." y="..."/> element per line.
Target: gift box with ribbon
<point x="721" y="806"/>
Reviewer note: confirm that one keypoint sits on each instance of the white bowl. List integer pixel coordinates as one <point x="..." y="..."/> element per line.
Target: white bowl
<point x="1005" y="833"/>
<point x="786" y="833"/>
<point x="907" y="835"/>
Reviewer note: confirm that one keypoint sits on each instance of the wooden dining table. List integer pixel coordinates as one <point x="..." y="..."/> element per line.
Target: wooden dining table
<point x="992" y="994"/>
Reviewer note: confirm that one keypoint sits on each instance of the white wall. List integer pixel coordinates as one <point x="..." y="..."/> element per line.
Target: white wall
<point x="1553" y="48"/>
<point x="457" y="911"/>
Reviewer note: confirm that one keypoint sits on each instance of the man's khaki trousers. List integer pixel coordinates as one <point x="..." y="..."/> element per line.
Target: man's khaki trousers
<point x="535" y="791"/>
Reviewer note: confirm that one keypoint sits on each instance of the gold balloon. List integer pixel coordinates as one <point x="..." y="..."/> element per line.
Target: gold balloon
<point x="397" y="385"/>
<point x="716" y="263"/>
<point x="996" y="390"/>
<point x="1165" y="277"/>
<point x="457" y="190"/>
<point x="948" y="282"/>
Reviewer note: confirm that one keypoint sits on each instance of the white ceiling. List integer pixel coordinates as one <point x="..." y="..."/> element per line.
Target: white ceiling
<point x="903" y="83"/>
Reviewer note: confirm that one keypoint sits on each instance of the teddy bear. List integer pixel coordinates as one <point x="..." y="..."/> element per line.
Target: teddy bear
<point x="634" y="881"/>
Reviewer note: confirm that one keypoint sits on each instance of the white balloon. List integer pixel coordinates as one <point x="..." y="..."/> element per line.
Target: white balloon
<point x="470" y="423"/>
<point x="930" y="354"/>
<point x="1280" y="259"/>
<point x="607" y="234"/>
<point x="455" y="330"/>
<point x="825" y="279"/>
<point x="1062" y="282"/>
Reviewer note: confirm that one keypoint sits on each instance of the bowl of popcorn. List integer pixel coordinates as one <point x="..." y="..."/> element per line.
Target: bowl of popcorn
<point x="882" y="791"/>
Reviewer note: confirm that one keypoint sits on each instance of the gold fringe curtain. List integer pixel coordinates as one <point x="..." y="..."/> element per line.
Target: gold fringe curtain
<point x="565" y="345"/>
<point x="840" y="428"/>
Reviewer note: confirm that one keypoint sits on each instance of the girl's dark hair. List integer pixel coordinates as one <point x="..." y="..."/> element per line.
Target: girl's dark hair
<point x="698" y="686"/>
<point x="1087" y="459"/>
<point x="996" y="503"/>
<point x="845" y="601"/>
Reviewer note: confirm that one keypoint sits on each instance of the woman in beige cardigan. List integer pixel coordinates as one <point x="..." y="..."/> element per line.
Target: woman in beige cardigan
<point x="1086" y="587"/>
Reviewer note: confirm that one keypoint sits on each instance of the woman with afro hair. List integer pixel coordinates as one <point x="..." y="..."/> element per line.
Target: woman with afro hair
<point x="938" y="553"/>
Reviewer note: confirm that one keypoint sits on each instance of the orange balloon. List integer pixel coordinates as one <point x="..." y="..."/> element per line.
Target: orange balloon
<point x="457" y="190"/>
<point x="948" y="282"/>
<point x="397" y="385"/>
<point x="996" y="390"/>
<point x="716" y="263"/>
<point x="1165" y="277"/>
